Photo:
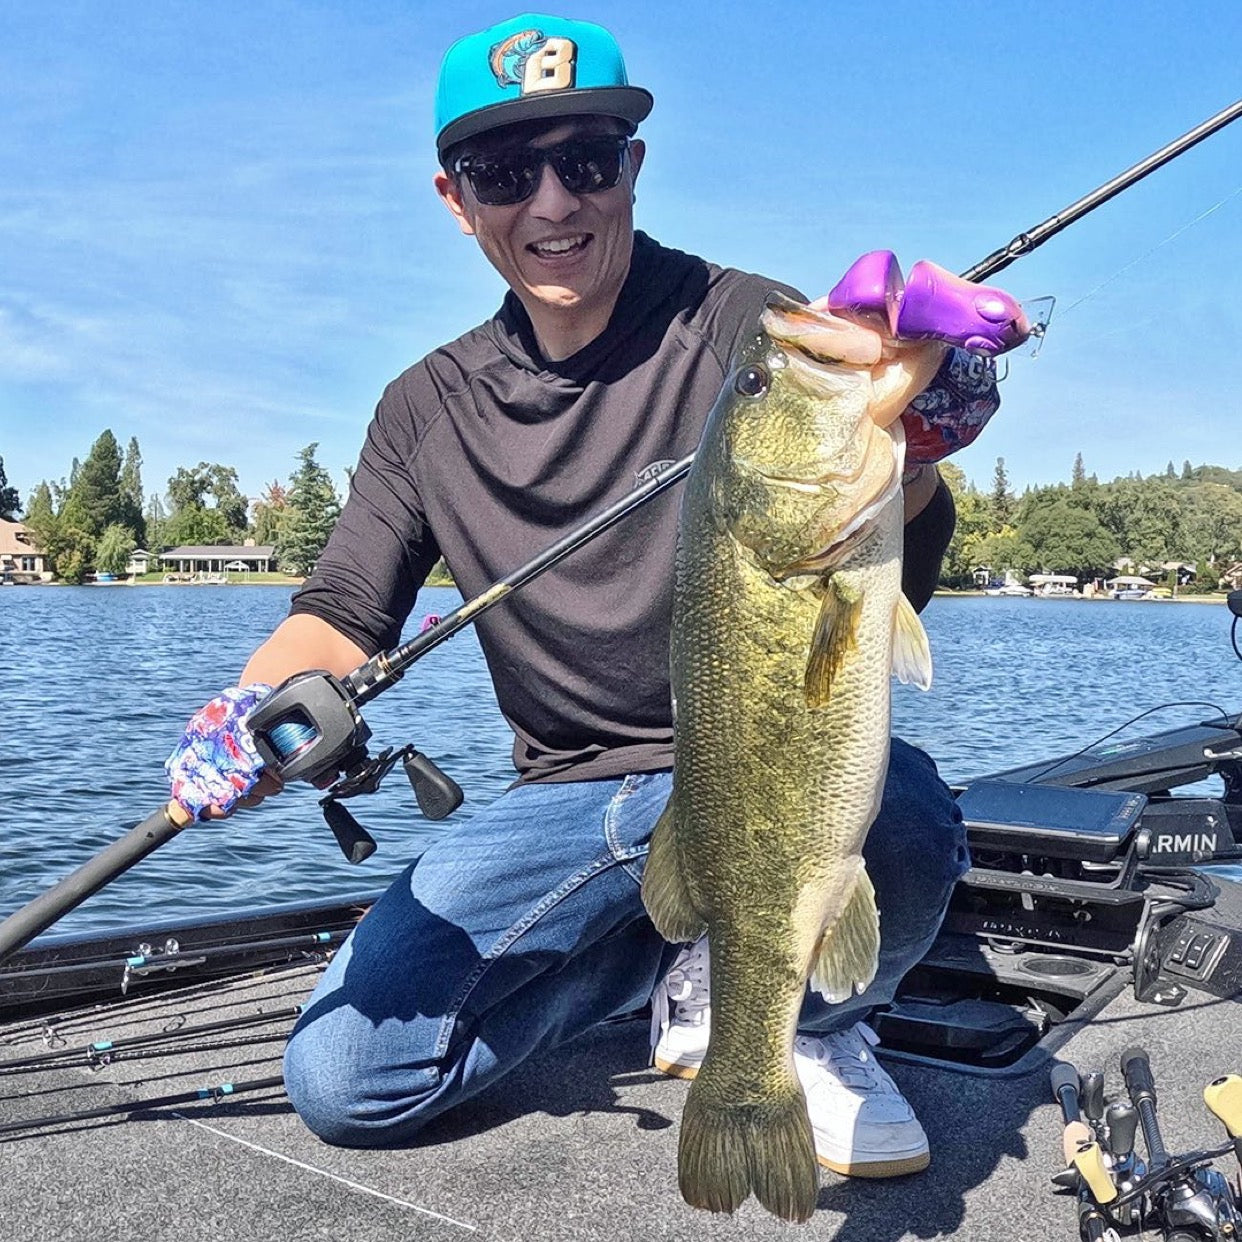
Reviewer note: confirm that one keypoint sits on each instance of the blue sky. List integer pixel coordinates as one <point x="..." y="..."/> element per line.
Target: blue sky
<point x="218" y="234"/>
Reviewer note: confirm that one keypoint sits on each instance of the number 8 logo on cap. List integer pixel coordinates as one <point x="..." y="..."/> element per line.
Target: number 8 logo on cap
<point x="551" y="68"/>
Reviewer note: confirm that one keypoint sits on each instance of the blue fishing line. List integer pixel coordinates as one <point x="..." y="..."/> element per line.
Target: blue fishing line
<point x="290" y="737"/>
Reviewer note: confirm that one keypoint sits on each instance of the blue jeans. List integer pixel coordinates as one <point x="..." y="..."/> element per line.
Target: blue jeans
<point x="524" y="926"/>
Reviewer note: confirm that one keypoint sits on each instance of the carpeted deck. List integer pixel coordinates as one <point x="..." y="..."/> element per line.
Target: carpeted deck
<point x="580" y="1145"/>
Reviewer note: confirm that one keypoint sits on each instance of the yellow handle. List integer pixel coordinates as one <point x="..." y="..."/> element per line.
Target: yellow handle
<point x="178" y="815"/>
<point x="1073" y="1138"/>
<point x="1089" y="1161"/>
<point x="1224" y="1098"/>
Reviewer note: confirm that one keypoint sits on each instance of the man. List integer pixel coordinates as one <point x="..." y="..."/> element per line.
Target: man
<point x="525" y="926"/>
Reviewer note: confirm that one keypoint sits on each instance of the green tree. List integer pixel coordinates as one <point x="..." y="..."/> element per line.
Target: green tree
<point x="132" y="498"/>
<point x="311" y="514"/>
<point x="114" y="548"/>
<point x="156" y="521"/>
<point x="1069" y="540"/>
<point x="1156" y="524"/>
<point x="196" y="525"/>
<point x="1079" y="476"/>
<point x="1002" y="550"/>
<point x="75" y="545"/>
<point x="10" y="502"/>
<point x="1001" y="497"/>
<point x="974" y="520"/>
<point x="97" y="485"/>
<point x="188" y="492"/>
<point x="268" y="511"/>
<point x="41" y="520"/>
<point x="1211" y="522"/>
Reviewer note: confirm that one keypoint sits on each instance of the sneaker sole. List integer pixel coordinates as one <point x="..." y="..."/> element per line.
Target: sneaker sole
<point x="675" y="1069"/>
<point x="902" y="1166"/>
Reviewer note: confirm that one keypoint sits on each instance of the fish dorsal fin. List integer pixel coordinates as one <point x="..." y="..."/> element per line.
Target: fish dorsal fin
<point x="836" y="632"/>
<point x="912" y="662"/>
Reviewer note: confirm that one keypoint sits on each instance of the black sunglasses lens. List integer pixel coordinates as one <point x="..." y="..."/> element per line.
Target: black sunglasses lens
<point x="504" y="178"/>
<point x="584" y="165"/>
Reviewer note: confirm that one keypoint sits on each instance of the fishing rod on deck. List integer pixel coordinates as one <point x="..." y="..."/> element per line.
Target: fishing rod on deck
<point x="310" y="726"/>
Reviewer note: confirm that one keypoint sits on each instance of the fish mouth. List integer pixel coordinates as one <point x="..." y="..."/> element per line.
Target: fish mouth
<point x="818" y="336"/>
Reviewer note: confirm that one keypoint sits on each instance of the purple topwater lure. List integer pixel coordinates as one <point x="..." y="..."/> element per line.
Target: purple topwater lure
<point x="935" y="304"/>
<point x="216" y="763"/>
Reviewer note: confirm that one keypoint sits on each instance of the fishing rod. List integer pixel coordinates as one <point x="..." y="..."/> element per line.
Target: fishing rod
<point x="1024" y="243"/>
<point x="217" y="1093"/>
<point x="100" y="1052"/>
<point x="310" y="726"/>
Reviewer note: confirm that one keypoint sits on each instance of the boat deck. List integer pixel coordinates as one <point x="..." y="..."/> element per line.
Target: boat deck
<point x="581" y="1144"/>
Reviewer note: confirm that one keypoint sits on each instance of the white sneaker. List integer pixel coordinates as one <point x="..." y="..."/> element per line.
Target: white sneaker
<point x="681" y="1013"/>
<point x="862" y="1123"/>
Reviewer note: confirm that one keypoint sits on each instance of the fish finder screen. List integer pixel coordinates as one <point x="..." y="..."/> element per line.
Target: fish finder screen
<point x="1052" y="819"/>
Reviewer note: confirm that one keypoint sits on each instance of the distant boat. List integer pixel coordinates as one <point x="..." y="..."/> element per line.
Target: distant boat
<point x="1130" y="586"/>
<point x="1010" y="588"/>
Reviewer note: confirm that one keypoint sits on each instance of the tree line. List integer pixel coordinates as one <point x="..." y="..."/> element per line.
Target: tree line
<point x="1085" y="527"/>
<point x="94" y="519"/>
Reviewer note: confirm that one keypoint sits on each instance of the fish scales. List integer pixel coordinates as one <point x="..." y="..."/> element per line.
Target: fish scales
<point x="788" y="582"/>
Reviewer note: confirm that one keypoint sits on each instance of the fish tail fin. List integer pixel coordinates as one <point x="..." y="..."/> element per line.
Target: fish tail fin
<point x="912" y="661"/>
<point x="664" y="886"/>
<point x="727" y="1151"/>
<point x="848" y="954"/>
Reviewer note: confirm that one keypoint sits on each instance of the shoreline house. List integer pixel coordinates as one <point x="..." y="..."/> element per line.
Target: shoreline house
<point x="20" y="559"/>
<point x="217" y="558"/>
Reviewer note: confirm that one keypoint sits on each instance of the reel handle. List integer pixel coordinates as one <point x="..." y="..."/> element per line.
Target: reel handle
<point x="1093" y="1096"/>
<point x="438" y="794"/>
<point x="356" y="843"/>
<point x="1089" y="1161"/>
<point x="1122" y="1122"/>
<point x="1224" y="1098"/>
<point x="1065" y="1083"/>
<point x="1136" y="1070"/>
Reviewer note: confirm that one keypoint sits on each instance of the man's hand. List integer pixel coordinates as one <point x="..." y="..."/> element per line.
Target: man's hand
<point x="215" y="767"/>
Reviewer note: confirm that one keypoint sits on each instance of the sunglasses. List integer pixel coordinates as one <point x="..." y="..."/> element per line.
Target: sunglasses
<point x="583" y="165"/>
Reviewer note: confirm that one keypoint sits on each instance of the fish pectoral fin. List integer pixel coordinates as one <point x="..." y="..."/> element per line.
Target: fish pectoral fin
<point x="912" y="661"/>
<point x="836" y="632"/>
<point x="848" y="953"/>
<point x="664" y="887"/>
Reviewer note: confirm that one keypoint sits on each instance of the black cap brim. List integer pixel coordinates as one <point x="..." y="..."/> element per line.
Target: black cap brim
<point x="628" y="103"/>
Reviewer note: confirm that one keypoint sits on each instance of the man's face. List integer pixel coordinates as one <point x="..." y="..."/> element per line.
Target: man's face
<point x="558" y="251"/>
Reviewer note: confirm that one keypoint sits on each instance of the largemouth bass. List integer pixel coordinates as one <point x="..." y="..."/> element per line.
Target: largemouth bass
<point x="788" y="623"/>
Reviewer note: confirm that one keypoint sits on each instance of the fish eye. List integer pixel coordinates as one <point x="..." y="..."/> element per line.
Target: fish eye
<point x="752" y="381"/>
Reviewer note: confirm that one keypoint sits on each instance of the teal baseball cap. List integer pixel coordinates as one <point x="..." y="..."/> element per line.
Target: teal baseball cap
<point x="530" y="67"/>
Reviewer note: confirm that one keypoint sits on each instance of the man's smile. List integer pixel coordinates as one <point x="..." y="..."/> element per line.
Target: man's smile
<point x="558" y="247"/>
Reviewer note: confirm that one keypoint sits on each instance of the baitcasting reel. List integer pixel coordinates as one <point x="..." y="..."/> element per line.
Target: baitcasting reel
<point x="1183" y="1196"/>
<point x="310" y="729"/>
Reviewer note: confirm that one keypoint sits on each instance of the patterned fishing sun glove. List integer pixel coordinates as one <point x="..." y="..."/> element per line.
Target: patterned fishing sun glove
<point x="216" y="763"/>
<point x="952" y="410"/>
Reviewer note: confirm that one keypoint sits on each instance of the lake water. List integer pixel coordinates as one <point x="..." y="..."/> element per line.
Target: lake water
<point x="98" y="682"/>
